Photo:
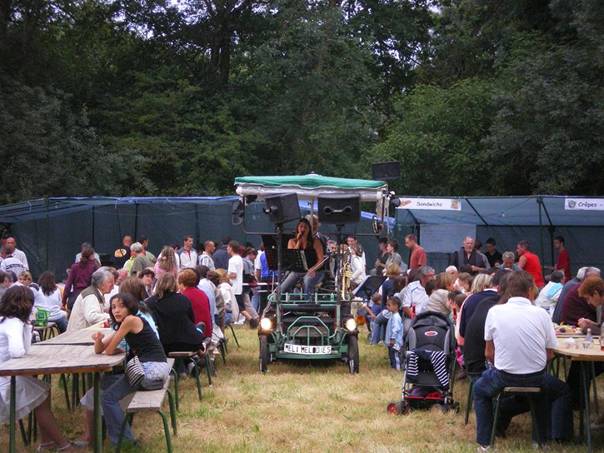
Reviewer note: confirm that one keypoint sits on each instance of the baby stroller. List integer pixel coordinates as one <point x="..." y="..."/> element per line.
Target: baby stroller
<point x="429" y="365"/>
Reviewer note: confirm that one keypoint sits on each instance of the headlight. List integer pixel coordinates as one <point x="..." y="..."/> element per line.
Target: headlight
<point x="266" y="324"/>
<point x="351" y="325"/>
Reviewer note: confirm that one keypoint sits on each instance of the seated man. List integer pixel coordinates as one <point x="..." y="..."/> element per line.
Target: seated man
<point x="519" y="351"/>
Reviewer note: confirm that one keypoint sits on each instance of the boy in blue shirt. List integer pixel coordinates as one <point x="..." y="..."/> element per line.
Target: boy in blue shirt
<point x="394" y="332"/>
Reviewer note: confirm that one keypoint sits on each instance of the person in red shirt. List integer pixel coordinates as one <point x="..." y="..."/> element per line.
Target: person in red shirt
<point x="563" y="261"/>
<point x="418" y="256"/>
<point x="187" y="286"/>
<point x="530" y="262"/>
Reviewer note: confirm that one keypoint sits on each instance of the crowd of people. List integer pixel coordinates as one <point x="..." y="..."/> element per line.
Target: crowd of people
<point x="182" y="300"/>
<point x="177" y="301"/>
<point x="504" y="311"/>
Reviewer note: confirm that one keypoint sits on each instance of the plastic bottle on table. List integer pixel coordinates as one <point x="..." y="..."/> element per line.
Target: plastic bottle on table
<point x="588" y="340"/>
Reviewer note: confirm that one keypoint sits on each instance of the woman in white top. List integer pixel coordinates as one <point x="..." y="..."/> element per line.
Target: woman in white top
<point x="31" y="394"/>
<point x="225" y="297"/>
<point x="357" y="265"/>
<point x="50" y="300"/>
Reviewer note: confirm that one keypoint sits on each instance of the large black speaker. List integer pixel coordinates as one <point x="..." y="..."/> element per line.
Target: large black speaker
<point x="282" y="208"/>
<point x="339" y="209"/>
<point x="386" y="171"/>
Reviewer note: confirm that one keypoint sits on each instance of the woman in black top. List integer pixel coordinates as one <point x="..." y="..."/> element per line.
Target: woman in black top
<point x="305" y="240"/>
<point x="173" y="315"/>
<point x="143" y="343"/>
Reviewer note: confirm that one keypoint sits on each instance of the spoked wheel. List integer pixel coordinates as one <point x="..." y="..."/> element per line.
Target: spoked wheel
<point x="353" y="354"/>
<point x="264" y="354"/>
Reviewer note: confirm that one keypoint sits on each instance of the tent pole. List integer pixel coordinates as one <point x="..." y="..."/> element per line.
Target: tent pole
<point x="539" y="202"/>
<point x="551" y="230"/>
<point x="197" y="232"/>
<point x="93" y="219"/>
<point x="135" y="221"/>
<point x="47" y="232"/>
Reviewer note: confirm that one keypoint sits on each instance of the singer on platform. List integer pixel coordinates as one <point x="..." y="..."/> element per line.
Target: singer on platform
<point x="306" y="241"/>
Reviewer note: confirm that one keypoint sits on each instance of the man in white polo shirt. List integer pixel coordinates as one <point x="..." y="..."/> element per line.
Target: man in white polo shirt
<point x="519" y="341"/>
<point x="187" y="254"/>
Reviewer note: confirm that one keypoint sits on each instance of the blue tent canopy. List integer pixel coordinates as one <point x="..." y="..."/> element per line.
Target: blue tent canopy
<point x="537" y="219"/>
<point x="547" y="210"/>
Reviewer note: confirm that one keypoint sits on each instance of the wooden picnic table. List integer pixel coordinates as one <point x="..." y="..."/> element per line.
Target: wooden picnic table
<point x="77" y="337"/>
<point x="584" y="356"/>
<point x="57" y="359"/>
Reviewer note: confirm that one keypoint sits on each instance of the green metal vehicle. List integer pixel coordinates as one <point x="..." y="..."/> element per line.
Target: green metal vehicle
<point x="295" y="326"/>
<point x="299" y="329"/>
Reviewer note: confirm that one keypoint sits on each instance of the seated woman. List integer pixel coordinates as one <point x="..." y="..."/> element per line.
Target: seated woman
<point x="305" y="241"/>
<point x="226" y="303"/>
<point x="134" y="287"/>
<point x="187" y="286"/>
<point x="32" y="394"/>
<point x="49" y="299"/>
<point x="438" y="301"/>
<point x="142" y="343"/>
<point x="173" y="314"/>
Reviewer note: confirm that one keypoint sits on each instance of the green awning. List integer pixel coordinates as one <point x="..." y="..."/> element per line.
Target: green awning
<point x="311" y="181"/>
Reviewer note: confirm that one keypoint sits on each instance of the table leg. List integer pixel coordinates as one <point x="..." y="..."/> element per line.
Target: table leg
<point x="12" y="447"/>
<point x="587" y="421"/>
<point x="98" y="424"/>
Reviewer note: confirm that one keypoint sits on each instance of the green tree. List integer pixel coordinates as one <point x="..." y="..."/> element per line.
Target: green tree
<point x="49" y="149"/>
<point x="436" y="135"/>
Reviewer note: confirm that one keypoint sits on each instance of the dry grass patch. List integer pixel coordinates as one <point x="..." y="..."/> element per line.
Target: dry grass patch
<point x="306" y="407"/>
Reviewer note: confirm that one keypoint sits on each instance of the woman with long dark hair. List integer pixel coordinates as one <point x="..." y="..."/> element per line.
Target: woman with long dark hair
<point x="142" y="343"/>
<point x="80" y="275"/>
<point x="306" y="241"/>
<point x="49" y="299"/>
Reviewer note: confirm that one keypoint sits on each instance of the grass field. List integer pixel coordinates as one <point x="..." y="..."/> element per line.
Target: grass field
<point x="304" y="407"/>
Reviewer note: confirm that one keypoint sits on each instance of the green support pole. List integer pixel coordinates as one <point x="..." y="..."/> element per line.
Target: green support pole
<point x="98" y="424"/>
<point x="12" y="447"/>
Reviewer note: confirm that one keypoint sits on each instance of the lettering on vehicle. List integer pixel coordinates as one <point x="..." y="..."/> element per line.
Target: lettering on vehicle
<point x="302" y="349"/>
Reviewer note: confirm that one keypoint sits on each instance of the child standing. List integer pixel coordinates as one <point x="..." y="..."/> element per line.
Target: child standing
<point x="394" y="332"/>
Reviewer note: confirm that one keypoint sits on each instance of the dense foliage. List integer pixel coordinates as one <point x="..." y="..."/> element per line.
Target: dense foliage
<point x="154" y="97"/>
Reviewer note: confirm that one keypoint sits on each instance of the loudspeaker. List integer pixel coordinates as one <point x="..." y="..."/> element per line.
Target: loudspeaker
<point x="339" y="209"/>
<point x="282" y="208"/>
<point x="237" y="212"/>
<point x="386" y="171"/>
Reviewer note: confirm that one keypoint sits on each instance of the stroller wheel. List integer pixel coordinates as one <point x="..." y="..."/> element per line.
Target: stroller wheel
<point x="398" y="408"/>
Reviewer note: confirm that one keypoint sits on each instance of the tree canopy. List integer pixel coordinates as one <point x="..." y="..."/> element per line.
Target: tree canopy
<point x="165" y="97"/>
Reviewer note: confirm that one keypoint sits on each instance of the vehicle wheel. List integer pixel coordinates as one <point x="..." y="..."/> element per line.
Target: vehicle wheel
<point x="353" y="354"/>
<point x="264" y="354"/>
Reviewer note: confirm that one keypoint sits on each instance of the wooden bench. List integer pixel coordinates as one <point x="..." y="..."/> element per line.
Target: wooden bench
<point x="150" y="400"/>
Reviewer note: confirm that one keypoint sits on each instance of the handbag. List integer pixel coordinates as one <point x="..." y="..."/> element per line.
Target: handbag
<point x="135" y="372"/>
